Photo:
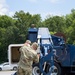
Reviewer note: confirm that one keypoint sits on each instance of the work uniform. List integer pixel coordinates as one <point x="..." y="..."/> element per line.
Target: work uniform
<point x="28" y="55"/>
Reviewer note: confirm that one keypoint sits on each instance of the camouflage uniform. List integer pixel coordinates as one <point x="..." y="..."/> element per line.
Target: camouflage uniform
<point x="28" y="55"/>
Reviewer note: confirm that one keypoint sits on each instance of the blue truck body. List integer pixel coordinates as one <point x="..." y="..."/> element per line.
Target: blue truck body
<point x="63" y="54"/>
<point x="56" y="57"/>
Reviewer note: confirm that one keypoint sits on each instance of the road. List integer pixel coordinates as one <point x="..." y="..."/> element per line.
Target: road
<point x="12" y="72"/>
<point x="6" y="72"/>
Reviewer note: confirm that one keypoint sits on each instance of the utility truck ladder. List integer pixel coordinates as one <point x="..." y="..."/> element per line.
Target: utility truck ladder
<point x="46" y="49"/>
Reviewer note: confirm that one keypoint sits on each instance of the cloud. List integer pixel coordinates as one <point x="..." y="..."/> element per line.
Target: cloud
<point x="3" y="7"/>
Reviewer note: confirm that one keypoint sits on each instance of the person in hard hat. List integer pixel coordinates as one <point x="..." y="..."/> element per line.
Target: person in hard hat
<point x="28" y="56"/>
<point x="33" y="26"/>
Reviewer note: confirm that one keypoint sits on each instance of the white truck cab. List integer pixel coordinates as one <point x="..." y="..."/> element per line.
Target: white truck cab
<point x="13" y="53"/>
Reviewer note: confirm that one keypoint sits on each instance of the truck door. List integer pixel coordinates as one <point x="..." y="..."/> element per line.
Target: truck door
<point x="72" y="56"/>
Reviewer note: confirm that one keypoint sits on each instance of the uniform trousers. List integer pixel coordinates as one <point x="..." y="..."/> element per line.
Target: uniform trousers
<point x="26" y="71"/>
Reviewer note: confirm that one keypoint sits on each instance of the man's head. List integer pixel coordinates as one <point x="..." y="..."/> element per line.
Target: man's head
<point x="34" y="46"/>
<point x="28" y="41"/>
<point x="33" y="25"/>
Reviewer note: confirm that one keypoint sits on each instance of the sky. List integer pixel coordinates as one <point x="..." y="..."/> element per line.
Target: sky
<point x="42" y="7"/>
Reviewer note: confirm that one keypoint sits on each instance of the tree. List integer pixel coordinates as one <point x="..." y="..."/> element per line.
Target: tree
<point x="55" y="23"/>
<point x="24" y="21"/>
<point x="70" y="27"/>
<point x="5" y="22"/>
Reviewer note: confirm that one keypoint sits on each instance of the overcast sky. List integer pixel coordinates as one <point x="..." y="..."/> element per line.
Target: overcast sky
<point x="42" y="7"/>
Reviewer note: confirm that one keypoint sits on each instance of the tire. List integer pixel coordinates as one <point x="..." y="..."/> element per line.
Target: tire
<point x="0" y="69"/>
<point x="36" y="70"/>
<point x="56" y="69"/>
<point x="15" y="68"/>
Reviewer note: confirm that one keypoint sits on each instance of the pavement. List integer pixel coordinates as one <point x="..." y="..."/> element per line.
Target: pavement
<point x="7" y="72"/>
<point x="12" y="72"/>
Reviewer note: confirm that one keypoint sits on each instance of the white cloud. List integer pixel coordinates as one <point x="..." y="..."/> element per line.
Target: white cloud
<point x="3" y="7"/>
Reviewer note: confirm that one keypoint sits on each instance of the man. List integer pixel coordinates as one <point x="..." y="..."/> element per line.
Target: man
<point x="28" y="56"/>
<point x="32" y="25"/>
<point x="27" y="43"/>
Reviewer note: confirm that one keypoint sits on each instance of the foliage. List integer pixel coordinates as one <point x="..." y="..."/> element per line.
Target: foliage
<point x="55" y="23"/>
<point x="14" y="30"/>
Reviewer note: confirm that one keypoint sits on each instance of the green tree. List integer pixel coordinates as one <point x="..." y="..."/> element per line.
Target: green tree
<point x="55" y="23"/>
<point x="70" y="27"/>
<point x="5" y="22"/>
<point x="24" y="21"/>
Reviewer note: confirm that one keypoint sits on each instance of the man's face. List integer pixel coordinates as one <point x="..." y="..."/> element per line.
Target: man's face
<point x="35" y="47"/>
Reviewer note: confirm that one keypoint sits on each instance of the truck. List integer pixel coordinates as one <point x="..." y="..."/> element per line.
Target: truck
<point x="13" y="55"/>
<point x="56" y="57"/>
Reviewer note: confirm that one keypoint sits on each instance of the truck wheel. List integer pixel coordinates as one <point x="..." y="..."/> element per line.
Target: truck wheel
<point x="0" y="69"/>
<point x="36" y="70"/>
<point x="56" y="69"/>
<point x="15" y="68"/>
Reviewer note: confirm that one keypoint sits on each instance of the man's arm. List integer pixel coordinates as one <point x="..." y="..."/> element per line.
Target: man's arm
<point x="36" y="58"/>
